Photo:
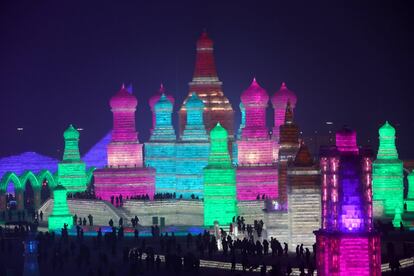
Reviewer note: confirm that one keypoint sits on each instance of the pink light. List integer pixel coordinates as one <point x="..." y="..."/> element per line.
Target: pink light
<point x="346" y="141"/>
<point x="252" y="181"/>
<point x="127" y="182"/>
<point x="279" y="102"/>
<point x="253" y="152"/>
<point x="255" y="100"/>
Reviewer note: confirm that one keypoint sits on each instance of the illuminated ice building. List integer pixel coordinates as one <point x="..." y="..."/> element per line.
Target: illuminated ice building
<point x="288" y="147"/>
<point x="192" y="151"/>
<point x="207" y="86"/>
<point x="125" y="174"/>
<point x="387" y="175"/>
<point x="220" y="202"/>
<point x="279" y="101"/>
<point x="256" y="171"/>
<point x="160" y="151"/>
<point x="347" y="243"/>
<point x="72" y="170"/>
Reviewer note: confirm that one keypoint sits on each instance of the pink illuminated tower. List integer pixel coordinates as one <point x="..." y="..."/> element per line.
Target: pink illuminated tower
<point x="154" y="99"/>
<point x="256" y="172"/>
<point x="347" y="243"/>
<point x="279" y="102"/>
<point x="125" y="174"/>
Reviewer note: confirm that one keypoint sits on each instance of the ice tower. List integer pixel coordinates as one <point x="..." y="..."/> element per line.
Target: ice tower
<point x="125" y="174"/>
<point x="72" y="170"/>
<point x="279" y="101"/>
<point x="256" y="172"/>
<point x="160" y="150"/>
<point x="387" y="175"/>
<point x="154" y="99"/>
<point x="192" y="151"/>
<point x="219" y="181"/>
<point x="347" y="243"/>
<point x="288" y="147"/>
<point x="60" y="213"/>
<point x="207" y="86"/>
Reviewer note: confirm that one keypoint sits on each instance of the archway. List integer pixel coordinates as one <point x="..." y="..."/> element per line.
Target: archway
<point x="29" y="196"/>
<point x="11" y="196"/>
<point x="11" y="201"/>
<point x="45" y="191"/>
<point x="47" y="183"/>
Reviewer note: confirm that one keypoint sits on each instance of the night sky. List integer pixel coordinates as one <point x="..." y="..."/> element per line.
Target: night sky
<point x="61" y="61"/>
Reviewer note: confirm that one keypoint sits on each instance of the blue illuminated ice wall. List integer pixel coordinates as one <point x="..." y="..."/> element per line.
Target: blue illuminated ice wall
<point x="160" y="150"/>
<point x="192" y="151"/>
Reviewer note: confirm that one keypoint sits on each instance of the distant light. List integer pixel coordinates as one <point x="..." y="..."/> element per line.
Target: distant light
<point x="329" y="123"/>
<point x="19" y="129"/>
<point x="79" y="129"/>
<point x="301" y="132"/>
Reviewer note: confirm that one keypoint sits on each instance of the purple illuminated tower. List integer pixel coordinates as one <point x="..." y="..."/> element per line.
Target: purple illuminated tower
<point x="125" y="174"/>
<point x="347" y="243"/>
<point x="256" y="172"/>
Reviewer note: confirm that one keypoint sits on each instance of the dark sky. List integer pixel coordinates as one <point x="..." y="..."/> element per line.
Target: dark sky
<point x="61" y="61"/>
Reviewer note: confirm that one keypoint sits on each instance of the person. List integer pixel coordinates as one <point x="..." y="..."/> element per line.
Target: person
<point x="285" y="249"/>
<point x="121" y="222"/>
<point x="41" y="215"/>
<point x="233" y="262"/>
<point x="90" y="218"/>
<point x="84" y="221"/>
<point x="75" y="219"/>
<point x="111" y="223"/>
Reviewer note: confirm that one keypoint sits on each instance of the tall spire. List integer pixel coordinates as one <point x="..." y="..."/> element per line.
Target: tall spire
<point x="205" y="65"/>
<point x="208" y="87"/>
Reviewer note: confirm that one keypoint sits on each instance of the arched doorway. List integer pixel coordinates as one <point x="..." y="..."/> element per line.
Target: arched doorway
<point x="29" y="196"/>
<point x="44" y="191"/>
<point x="11" y="201"/>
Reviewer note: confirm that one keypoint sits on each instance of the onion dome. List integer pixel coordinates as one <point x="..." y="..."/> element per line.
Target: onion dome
<point x="71" y="133"/>
<point x="346" y="140"/>
<point x="163" y="103"/>
<point x="204" y="42"/>
<point x="123" y="99"/>
<point x="255" y="94"/>
<point x="194" y="102"/>
<point x="303" y="157"/>
<point x="386" y="130"/>
<point x="284" y="95"/>
<point x="155" y="98"/>
<point x="218" y="132"/>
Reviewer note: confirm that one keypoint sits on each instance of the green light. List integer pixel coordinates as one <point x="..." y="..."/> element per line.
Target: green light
<point x="72" y="170"/>
<point x="410" y="178"/>
<point x="219" y="181"/>
<point x="60" y="214"/>
<point x="387" y="174"/>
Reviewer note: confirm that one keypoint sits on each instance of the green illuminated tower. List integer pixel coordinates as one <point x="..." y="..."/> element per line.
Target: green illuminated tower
<point x="72" y="171"/>
<point x="387" y="175"/>
<point x="219" y="181"/>
<point x="60" y="213"/>
<point x="410" y="195"/>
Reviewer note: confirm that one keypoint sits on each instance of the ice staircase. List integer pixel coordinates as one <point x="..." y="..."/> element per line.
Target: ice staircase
<point x="101" y="211"/>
